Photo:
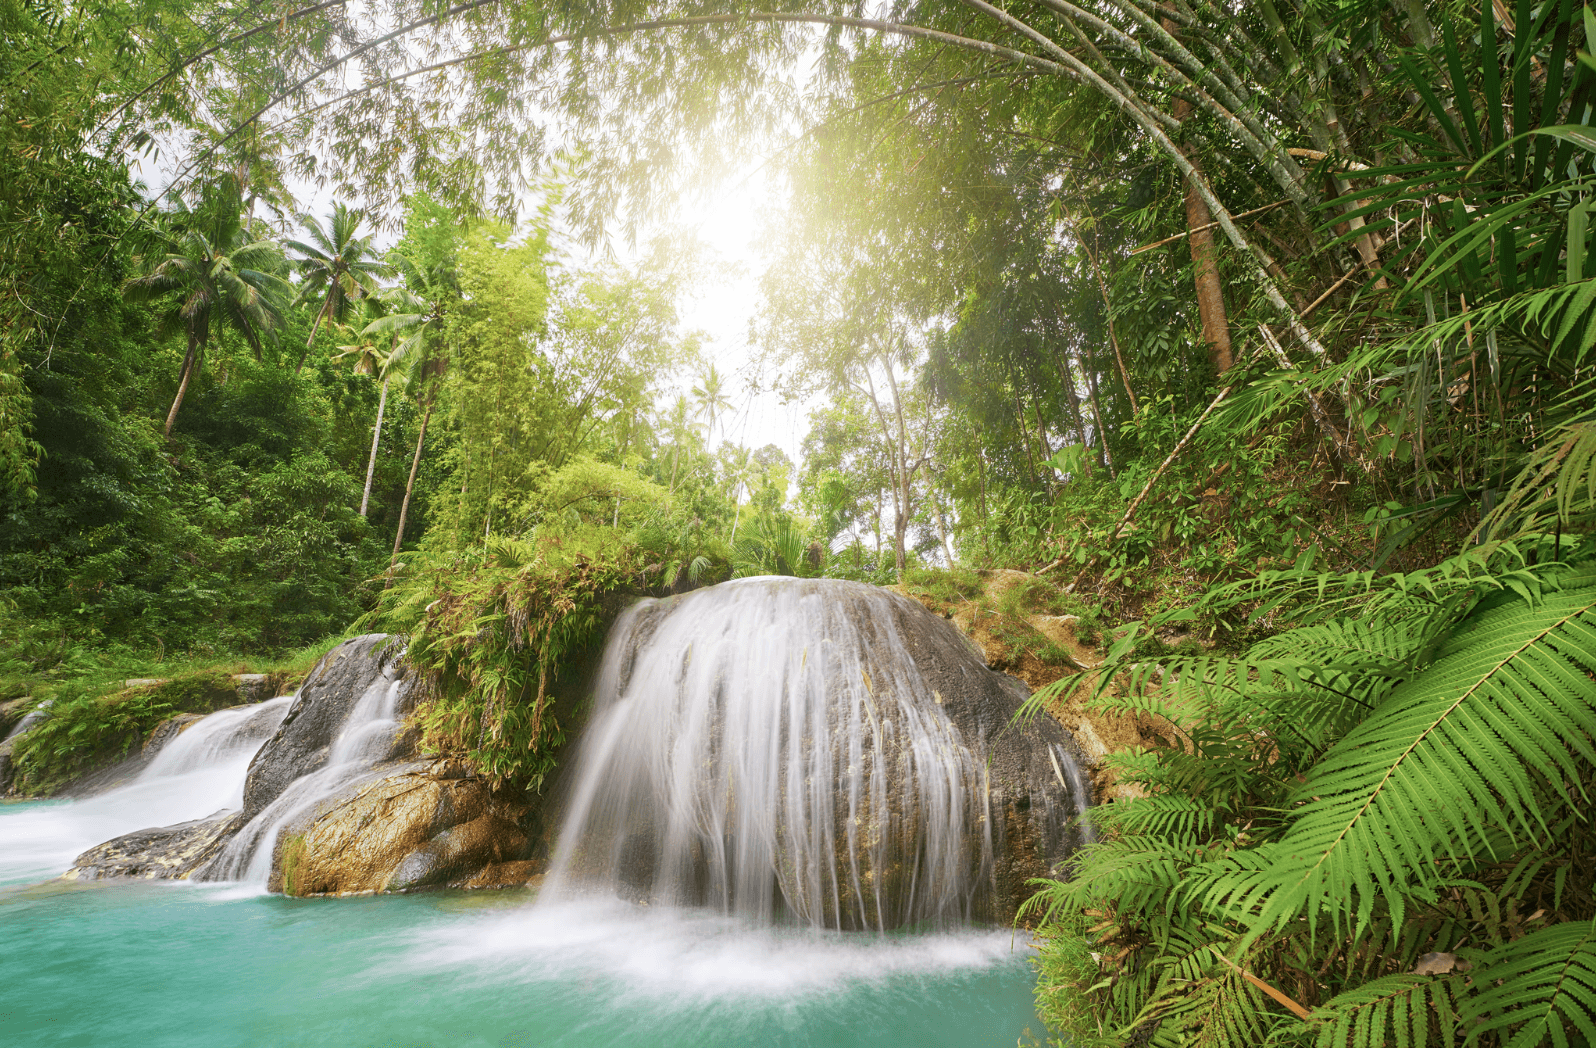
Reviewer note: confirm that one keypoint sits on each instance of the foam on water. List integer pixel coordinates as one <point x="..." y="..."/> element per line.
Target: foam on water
<point x="130" y="964"/>
<point x="676" y="954"/>
<point x="196" y="774"/>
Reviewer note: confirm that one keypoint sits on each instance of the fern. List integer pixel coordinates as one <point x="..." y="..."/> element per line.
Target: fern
<point x="1404" y="1011"/>
<point x="1457" y="753"/>
<point x="1538" y="990"/>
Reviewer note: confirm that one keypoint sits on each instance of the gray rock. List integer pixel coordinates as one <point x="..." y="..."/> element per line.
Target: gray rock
<point x="1035" y="797"/>
<point x="165" y="853"/>
<point x="302" y="743"/>
<point x="252" y="687"/>
<point x="1030" y="781"/>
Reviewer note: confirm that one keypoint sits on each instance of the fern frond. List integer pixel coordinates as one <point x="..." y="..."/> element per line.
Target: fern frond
<point x="1454" y="759"/>
<point x="1538" y="990"/>
<point x="1402" y="1011"/>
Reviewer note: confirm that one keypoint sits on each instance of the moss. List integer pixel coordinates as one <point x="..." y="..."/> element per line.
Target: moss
<point x="291" y="855"/>
<point x="950" y="587"/>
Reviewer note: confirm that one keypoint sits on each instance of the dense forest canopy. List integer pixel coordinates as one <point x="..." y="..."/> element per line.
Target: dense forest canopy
<point x="1269" y="322"/>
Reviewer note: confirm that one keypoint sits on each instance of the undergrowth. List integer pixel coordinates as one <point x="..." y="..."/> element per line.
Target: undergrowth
<point x="95" y="719"/>
<point x="489" y="630"/>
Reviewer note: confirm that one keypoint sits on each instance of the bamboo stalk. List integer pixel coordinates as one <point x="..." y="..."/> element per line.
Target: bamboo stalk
<point x="1296" y="1009"/>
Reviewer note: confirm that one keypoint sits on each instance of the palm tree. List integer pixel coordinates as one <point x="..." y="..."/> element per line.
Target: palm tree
<point x="710" y="396"/>
<point x="417" y="309"/>
<point x="369" y="358"/>
<point x="212" y="277"/>
<point x="337" y="265"/>
<point x="742" y="469"/>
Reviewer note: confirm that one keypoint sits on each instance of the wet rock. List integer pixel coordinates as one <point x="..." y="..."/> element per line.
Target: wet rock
<point x="524" y="873"/>
<point x="820" y="750"/>
<point x="410" y="826"/>
<point x="164" y="853"/>
<point x="1034" y="797"/>
<point x="302" y="743"/>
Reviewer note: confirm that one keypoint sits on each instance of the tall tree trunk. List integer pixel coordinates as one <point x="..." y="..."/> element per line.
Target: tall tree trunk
<point x="1104" y="457"/>
<point x="376" y="436"/>
<point x="980" y="473"/>
<point x="1077" y="416"/>
<point x="1041" y="436"/>
<point x="410" y="486"/>
<point x="182" y="382"/>
<point x="1204" y="256"/>
<point x="1108" y="315"/>
<point x="1025" y="436"/>
<point x="320" y="313"/>
<point x="1205" y="264"/>
<point x="942" y="531"/>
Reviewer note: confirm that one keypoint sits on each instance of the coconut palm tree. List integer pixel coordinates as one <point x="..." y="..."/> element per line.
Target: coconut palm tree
<point x="338" y="266"/>
<point x="710" y="396"/>
<point x="741" y="471"/>
<point x="369" y="357"/>
<point x="209" y="277"/>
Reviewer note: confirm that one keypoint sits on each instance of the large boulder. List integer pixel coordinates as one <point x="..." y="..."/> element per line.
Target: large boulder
<point x="413" y="826"/>
<point x="303" y="742"/>
<point x="1036" y="791"/>
<point x="817" y="750"/>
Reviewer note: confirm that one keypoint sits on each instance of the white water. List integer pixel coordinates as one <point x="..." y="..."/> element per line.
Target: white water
<point x="769" y="748"/>
<point x="192" y="776"/>
<point x="366" y="738"/>
<point x="686" y="955"/>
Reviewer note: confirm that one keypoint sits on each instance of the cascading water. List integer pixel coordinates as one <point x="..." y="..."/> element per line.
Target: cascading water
<point x="366" y="737"/>
<point x="816" y="751"/>
<point x="195" y="774"/>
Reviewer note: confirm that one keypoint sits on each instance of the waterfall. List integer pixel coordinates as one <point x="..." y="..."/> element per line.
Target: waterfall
<point x="227" y="738"/>
<point x="196" y="773"/>
<point x="809" y="751"/>
<point x="365" y="738"/>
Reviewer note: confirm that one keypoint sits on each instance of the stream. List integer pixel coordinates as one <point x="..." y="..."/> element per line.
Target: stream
<point x="130" y="963"/>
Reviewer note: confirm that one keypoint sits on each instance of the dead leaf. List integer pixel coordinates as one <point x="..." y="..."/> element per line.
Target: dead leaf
<point x="1440" y="964"/>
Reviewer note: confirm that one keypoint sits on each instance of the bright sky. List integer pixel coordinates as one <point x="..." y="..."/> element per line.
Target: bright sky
<point x="732" y="226"/>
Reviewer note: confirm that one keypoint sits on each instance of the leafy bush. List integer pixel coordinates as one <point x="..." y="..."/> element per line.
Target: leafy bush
<point x="489" y="630"/>
<point x="86" y="730"/>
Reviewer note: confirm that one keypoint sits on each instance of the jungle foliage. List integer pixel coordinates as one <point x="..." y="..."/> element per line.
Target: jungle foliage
<point x="1271" y="321"/>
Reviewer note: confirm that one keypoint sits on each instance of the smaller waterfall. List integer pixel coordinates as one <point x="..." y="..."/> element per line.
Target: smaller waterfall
<point x="197" y="773"/>
<point x="367" y="737"/>
<point x="34" y="716"/>
<point x="225" y="739"/>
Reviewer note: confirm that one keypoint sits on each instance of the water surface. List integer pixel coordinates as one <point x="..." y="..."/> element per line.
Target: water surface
<point x="135" y="963"/>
